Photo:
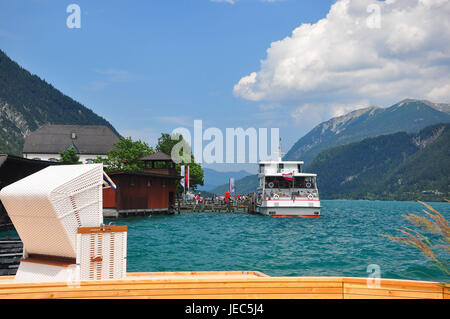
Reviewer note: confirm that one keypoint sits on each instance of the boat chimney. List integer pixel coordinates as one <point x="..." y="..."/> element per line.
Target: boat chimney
<point x="279" y="151"/>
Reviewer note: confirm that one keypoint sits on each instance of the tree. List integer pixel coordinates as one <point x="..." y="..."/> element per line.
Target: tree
<point x="195" y="174"/>
<point x="166" y="143"/>
<point x="70" y="156"/>
<point x="125" y="155"/>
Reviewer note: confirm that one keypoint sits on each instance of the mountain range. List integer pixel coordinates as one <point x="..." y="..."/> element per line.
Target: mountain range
<point x="397" y="166"/>
<point x="28" y="102"/>
<point x="214" y="178"/>
<point x="245" y="185"/>
<point x="406" y="116"/>
<point x="376" y="153"/>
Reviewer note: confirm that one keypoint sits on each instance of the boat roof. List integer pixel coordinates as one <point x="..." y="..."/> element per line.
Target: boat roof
<point x="281" y="162"/>
<point x="295" y="174"/>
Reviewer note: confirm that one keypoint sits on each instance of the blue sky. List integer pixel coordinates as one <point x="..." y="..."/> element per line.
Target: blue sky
<point x="151" y="66"/>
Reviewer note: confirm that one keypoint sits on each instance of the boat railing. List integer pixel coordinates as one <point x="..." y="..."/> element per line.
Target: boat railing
<point x="307" y="193"/>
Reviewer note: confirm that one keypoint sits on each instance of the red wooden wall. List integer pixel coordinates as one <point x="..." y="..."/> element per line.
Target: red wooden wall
<point x="139" y="192"/>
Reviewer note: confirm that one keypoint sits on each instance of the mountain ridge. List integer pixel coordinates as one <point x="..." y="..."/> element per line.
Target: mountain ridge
<point x="215" y="178"/>
<point x="409" y="115"/>
<point x="397" y="166"/>
<point x="28" y="102"/>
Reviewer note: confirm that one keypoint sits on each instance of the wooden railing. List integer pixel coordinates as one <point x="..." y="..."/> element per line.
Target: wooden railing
<point x="226" y="285"/>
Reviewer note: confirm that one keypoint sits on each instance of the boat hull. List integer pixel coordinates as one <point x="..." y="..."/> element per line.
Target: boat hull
<point x="306" y="212"/>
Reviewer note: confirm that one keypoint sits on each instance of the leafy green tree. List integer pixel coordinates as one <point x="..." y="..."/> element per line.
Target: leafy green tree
<point x="167" y="142"/>
<point x="70" y="156"/>
<point x="125" y="155"/>
<point x="195" y="174"/>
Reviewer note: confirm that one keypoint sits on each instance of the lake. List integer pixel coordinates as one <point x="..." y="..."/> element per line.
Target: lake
<point x="343" y="242"/>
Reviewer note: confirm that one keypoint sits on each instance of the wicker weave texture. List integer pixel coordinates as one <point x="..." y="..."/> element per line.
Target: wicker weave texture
<point x="47" y="207"/>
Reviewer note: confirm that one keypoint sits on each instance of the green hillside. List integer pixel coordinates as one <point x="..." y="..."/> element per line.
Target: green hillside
<point x="398" y="166"/>
<point x="27" y="102"/>
<point x="406" y="116"/>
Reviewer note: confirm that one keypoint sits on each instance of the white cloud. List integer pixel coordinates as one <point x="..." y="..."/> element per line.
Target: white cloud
<point x="349" y="59"/>
<point x="311" y="113"/>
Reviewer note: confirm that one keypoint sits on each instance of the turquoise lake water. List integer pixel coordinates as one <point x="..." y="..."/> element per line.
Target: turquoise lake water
<point x="343" y="242"/>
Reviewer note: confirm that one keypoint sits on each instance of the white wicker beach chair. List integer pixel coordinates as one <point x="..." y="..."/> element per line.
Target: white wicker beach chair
<point x="58" y="214"/>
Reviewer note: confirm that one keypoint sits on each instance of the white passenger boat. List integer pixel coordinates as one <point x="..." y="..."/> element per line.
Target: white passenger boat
<point x="285" y="191"/>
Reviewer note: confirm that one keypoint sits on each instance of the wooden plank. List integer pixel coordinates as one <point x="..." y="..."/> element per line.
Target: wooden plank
<point x="434" y="288"/>
<point x="395" y="282"/>
<point x="175" y="292"/>
<point x="248" y="296"/>
<point x="224" y="285"/>
<point x="393" y="293"/>
<point x="191" y="285"/>
<point x="181" y="295"/>
<point x="356" y="296"/>
<point x="178" y="280"/>
<point x="106" y="229"/>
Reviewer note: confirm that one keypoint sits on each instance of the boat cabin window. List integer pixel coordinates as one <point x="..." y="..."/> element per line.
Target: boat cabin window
<point x="298" y="182"/>
<point x="304" y="182"/>
<point x="261" y="168"/>
<point x="299" y="168"/>
<point x="280" y="167"/>
<point x="277" y="182"/>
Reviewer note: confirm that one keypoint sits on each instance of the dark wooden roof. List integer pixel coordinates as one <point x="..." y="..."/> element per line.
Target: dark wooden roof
<point x="6" y="158"/>
<point x="14" y="168"/>
<point x="54" y="139"/>
<point x="158" y="156"/>
<point x="144" y="174"/>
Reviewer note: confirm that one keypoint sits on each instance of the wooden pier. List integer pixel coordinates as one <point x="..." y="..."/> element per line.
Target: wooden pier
<point x="209" y="206"/>
<point x="225" y="285"/>
<point x="11" y="250"/>
<point x="113" y="213"/>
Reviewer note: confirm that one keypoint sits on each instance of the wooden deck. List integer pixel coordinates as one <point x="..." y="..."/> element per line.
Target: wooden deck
<point x="224" y="285"/>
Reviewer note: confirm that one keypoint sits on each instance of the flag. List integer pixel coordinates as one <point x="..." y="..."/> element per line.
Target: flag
<point x="288" y="177"/>
<point x="182" y="174"/>
<point x="231" y="186"/>
<point x="186" y="177"/>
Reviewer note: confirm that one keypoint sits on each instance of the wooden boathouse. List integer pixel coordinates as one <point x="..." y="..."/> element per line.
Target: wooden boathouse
<point x="152" y="191"/>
